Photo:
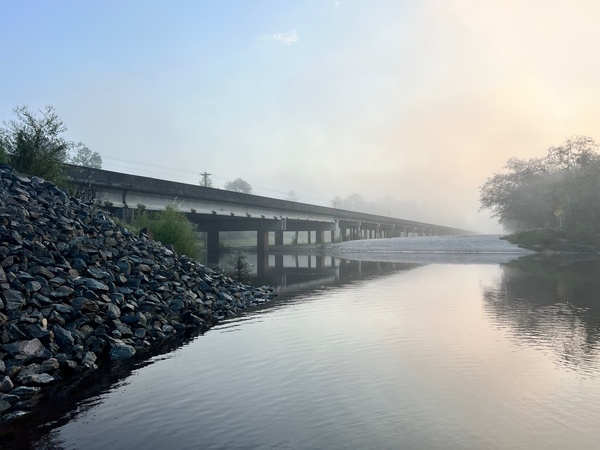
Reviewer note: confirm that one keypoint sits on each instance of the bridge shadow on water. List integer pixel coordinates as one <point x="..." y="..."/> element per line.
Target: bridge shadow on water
<point x="291" y="275"/>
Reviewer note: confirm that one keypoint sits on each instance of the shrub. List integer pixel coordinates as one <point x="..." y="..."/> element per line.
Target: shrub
<point x="171" y="227"/>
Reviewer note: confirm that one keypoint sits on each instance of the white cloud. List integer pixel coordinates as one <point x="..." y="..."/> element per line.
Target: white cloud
<point x="288" y="38"/>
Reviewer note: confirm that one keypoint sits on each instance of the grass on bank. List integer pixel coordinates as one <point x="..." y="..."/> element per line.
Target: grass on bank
<point x="547" y="239"/>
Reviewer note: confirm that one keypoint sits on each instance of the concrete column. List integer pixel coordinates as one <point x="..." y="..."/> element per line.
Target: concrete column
<point x="279" y="238"/>
<point x="212" y="247"/>
<point x="262" y="242"/>
<point x="309" y="234"/>
<point x="320" y="236"/>
<point x="262" y="252"/>
<point x="262" y="263"/>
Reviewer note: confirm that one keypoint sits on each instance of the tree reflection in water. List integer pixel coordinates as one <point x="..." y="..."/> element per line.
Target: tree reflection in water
<point x="552" y="304"/>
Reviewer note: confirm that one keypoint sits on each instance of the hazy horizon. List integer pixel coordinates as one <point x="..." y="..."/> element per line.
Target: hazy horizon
<point x="419" y="102"/>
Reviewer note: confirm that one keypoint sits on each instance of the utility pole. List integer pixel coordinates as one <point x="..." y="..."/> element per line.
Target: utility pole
<point x="205" y="176"/>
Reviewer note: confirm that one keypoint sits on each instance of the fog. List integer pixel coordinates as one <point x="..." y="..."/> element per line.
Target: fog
<point x="417" y="103"/>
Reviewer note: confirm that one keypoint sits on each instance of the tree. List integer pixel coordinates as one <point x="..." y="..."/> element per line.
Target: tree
<point x="35" y="145"/>
<point x="384" y="206"/>
<point x="519" y="197"/>
<point x="560" y="189"/>
<point x="292" y="196"/>
<point x="86" y="158"/>
<point x="239" y="185"/>
<point x="237" y="266"/>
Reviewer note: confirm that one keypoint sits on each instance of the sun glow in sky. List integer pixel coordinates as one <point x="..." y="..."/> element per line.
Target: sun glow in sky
<point x="420" y="101"/>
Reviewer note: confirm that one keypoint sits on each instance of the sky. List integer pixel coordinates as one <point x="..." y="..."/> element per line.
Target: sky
<point x="420" y="101"/>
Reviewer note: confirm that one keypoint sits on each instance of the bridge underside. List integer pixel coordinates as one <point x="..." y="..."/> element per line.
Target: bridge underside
<point x="340" y="230"/>
<point x="329" y="230"/>
<point x="213" y="224"/>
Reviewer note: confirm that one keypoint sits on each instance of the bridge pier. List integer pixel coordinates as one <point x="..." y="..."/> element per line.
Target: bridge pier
<point x="212" y="247"/>
<point x="320" y="236"/>
<point x="262" y="252"/>
<point x="262" y="242"/>
<point x="279" y="237"/>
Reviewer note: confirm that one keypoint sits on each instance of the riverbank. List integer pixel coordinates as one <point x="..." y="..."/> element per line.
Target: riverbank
<point x="79" y="292"/>
<point x="555" y="241"/>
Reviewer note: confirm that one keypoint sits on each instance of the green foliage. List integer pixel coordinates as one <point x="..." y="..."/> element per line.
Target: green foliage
<point x="561" y="240"/>
<point x="171" y="227"/>
<point x="560" y="190"/>
<point x="584" y="236"/>
<point x="536" y="239"/>
<point x="237" y="266"/>
<point x="35" y="145"/>
<point x="86" y="158"/>
<point x="238" y="185"/>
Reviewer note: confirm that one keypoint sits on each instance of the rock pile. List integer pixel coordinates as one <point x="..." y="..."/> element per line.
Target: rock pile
<point x="77" y="291"/>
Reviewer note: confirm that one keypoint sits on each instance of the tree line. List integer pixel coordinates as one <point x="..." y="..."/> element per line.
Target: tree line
<point x="560" y="190"/>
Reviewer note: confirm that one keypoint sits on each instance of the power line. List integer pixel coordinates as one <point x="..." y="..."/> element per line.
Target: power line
<point x="205" y="175"/>
<point x="162" y="168"/>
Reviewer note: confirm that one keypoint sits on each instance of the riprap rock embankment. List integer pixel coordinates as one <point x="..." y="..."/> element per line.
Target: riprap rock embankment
<point x="77" y="291"/>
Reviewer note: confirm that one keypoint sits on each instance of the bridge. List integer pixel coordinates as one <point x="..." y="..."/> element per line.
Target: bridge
<point x="215" y="210"/>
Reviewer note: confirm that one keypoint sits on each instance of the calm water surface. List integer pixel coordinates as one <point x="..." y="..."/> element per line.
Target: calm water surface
<point x="433" y="356"/>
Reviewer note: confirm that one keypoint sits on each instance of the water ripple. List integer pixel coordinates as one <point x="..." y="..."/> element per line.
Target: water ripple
<point x="418" y="359"/>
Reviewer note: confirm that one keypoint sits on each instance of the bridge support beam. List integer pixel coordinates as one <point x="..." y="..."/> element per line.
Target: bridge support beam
<point x="212" y="247"/>
<point x="279" y="238"/>
<point x="262" y="242"/>
<point x="262" y="252"/>
<point x="320" y="238"/>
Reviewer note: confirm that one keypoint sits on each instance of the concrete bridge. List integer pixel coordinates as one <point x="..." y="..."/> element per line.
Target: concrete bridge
<point x="215" y="210"/>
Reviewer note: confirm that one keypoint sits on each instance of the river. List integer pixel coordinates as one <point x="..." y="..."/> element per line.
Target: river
<point x="437" y="354"/>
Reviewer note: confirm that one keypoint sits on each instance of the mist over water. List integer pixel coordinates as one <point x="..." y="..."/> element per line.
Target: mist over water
<point x="375" y="355"/>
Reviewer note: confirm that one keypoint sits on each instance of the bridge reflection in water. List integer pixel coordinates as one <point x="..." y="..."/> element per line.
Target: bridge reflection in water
<point x="305" y="272"/>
